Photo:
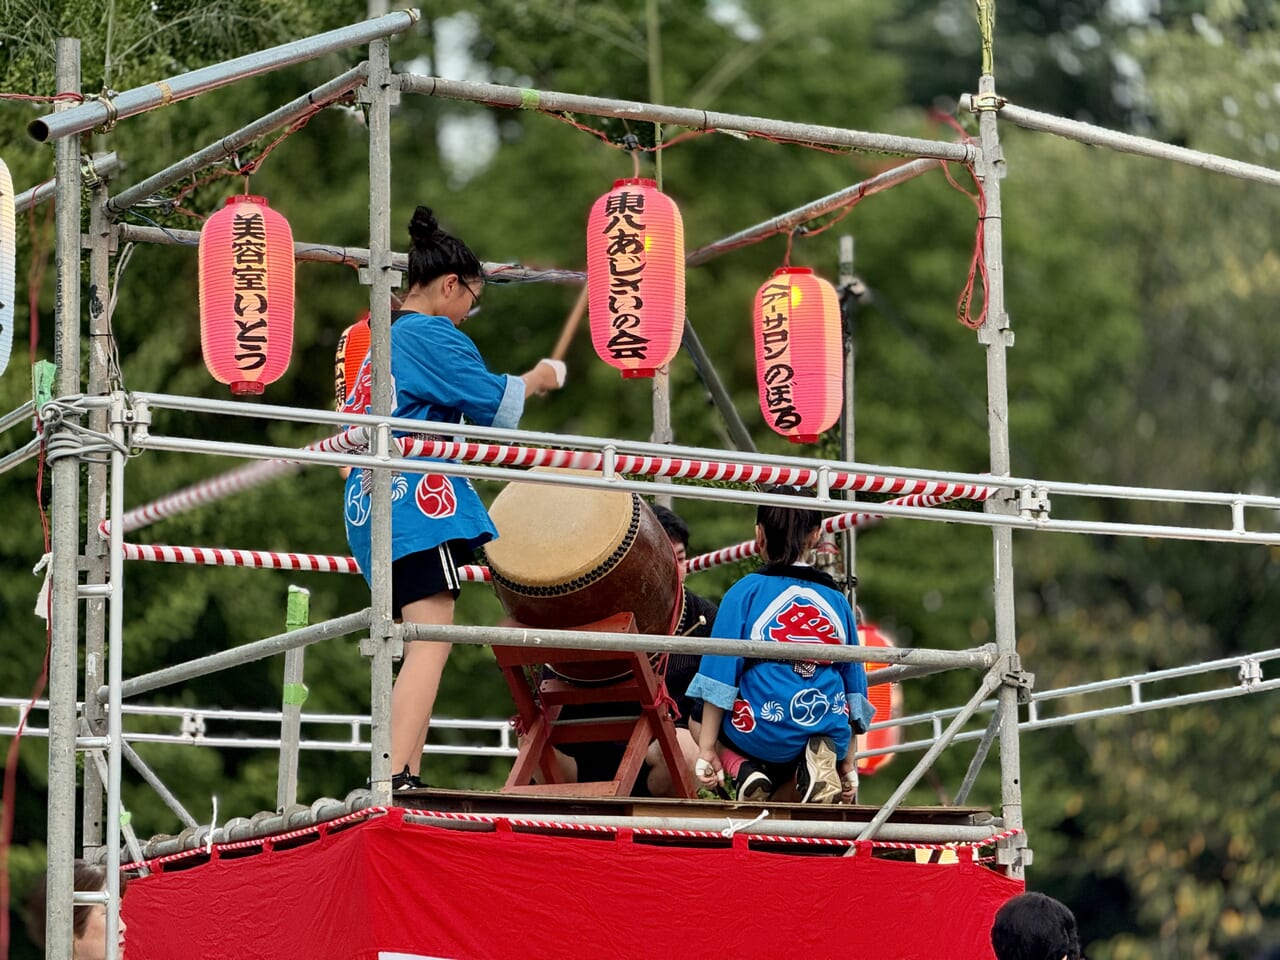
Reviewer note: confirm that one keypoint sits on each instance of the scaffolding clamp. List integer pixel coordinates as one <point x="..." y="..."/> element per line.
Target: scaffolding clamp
<point x="1012" y="675"/>
<point x="985" y="102"/>
<point x="1012" y="851"/>
<point x="1033" y="502"/>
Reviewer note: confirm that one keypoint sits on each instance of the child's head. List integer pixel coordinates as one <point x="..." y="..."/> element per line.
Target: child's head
<point x="787" y="534"/>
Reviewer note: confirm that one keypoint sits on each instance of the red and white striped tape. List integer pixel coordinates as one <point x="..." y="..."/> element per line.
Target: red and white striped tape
<point x="534" y="823"/>
<point x="846" y="521"/>
<point x="254" y="474"/>
<point x="263" y="559"/>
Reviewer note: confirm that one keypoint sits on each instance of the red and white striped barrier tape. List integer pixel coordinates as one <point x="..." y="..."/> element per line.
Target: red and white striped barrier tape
<point x="263" y="559"/>
<point x="847" y="521"/>
<point x="353" y="440"/>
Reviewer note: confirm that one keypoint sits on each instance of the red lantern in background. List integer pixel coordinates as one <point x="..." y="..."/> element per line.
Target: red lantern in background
<point x="246" y="294"/>
<point x="353" y="346"/>
<point x="799" y="355"/>
<point x="635" y="277"/>
<point x="887" y="699"/>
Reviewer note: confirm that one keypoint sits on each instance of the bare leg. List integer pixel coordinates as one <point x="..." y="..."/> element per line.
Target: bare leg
<point x="414" y="695"/>
<point x="660" y="781"/>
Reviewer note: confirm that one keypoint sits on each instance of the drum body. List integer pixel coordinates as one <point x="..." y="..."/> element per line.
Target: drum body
<point x="567" y="556"/>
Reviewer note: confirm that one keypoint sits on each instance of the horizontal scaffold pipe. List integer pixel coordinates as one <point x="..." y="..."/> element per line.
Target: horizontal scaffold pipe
<point x="785" y="222"/>
<point x="329" y="253"/>
<point x="97" y="166"/>
<point x="1141" y="146"/>
<point x="979" y="658"/>
<point x="20" y="414"/>
<point x="701" y="825"/>
<point x="237" y="656"/>
<point x="228" y="145"/>
<point x="95" y="113"/>
<point x="549" y="101"/>
<point x="20" y="456"/>
<point x="617" y="481"/>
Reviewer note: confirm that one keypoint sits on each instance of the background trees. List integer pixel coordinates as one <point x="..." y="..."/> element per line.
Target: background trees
<point x="1140" y="293"/>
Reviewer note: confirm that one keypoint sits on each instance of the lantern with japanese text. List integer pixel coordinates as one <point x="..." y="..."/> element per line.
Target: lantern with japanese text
<point x="887" y="699"/>
<point x="799" y="354"/>
<point x="246" y="294"/>
<point x="8" y="265"/>
<point x="353" y="346"/>
<point x="635" y="277"/>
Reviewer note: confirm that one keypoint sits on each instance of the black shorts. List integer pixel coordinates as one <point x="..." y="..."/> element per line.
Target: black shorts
<point x="417" y="576"/>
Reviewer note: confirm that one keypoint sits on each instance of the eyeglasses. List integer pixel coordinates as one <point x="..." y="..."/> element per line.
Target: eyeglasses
<point x="475" y="297"/>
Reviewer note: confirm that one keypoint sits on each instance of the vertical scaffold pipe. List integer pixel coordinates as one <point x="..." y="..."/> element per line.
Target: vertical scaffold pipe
<point x="997" y="337"/>
<point x="64" y="610"/>
<point x="381" y="635"/>
<point x="95" y="546"/>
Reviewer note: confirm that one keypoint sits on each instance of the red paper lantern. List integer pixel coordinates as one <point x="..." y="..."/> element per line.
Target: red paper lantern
<point x="887" y="699"/>
<point x="635" y="277"/>
<point x="799" y="354"/>
<point x="246" y="294"/>
<point x="353" y="346"/>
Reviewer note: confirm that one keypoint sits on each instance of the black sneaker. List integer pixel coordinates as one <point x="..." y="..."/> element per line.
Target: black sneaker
<point x="817" y="779"/>
<point x="754" y="785"/>
<point x="404" y="780"/>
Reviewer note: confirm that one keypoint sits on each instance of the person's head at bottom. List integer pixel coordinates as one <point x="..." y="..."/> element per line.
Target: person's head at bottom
<point x="88" y="920"/>
<point x="1033" y="926"/>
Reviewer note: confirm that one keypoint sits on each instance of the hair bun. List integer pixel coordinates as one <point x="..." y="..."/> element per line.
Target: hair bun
<point x="424" y="226"/>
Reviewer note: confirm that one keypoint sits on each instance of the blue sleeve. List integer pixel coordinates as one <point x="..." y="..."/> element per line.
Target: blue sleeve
<point x="861" y="711"/>
<point x="716" y="681"/>
<point x="441" y="364"/>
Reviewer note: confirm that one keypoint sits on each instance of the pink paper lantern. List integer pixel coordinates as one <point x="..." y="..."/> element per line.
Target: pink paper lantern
<point x="246" y="294"/>
<point x="635" y="277"/>
<point x="799" y="354"/>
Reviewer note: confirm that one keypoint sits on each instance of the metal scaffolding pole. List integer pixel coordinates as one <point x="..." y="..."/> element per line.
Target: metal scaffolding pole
<point x="64" y="611"/>
<point x="247" y="653"/>
<point x="99" y="166"/>
<point x="98" y="242"/>
<point x="380" y="92"/>
<point x="96" y="112"/>
<point x="785" y="222"/>
<point x="1128" y="143"/>
<point x="980" y="658"/>
<point x="549" y="101"/>
<point x="331" y="253"/>
<point x="997" y="337"/>
<point x="120" y="414"/>
<point x="291" y="111"/>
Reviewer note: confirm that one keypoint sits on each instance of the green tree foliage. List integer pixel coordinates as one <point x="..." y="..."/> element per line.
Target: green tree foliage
<point x="1140" y="293"/>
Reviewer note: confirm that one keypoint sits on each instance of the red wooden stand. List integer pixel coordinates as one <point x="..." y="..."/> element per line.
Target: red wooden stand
<point x="544" y="730"/>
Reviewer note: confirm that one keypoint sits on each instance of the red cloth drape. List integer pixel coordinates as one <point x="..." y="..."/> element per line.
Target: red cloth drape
<point x="391" y="889"/>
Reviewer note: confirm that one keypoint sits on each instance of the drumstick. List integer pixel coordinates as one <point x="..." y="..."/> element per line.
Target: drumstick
<point x="570" y="326"/>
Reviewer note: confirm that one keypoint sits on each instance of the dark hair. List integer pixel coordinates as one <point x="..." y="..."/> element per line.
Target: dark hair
<point x="434" y="253"/>
<point x="1033" y="926"/>
<point x="675" y="527"/>
<point x="87" y="876"/>
<point x="787" y="529"/>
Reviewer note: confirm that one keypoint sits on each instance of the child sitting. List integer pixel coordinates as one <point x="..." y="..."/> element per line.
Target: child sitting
<point x="775" y="719"/>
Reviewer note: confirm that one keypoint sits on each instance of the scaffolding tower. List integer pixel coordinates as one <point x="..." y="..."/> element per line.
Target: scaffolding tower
<point x="96" y="426"/>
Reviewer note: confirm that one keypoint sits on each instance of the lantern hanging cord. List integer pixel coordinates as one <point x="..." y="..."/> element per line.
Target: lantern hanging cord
<point x="55" y="98"/>
<point x="978" y="262"/>
<point x="232" y="166"/>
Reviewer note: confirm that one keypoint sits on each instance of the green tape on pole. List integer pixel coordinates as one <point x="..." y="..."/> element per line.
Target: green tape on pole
<point x="298" y="608"/>
<point x="295" y="694"/>
<point x="529" y="99"/>
<point x="126" y="818"/>
<point x="43" y="375"/>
